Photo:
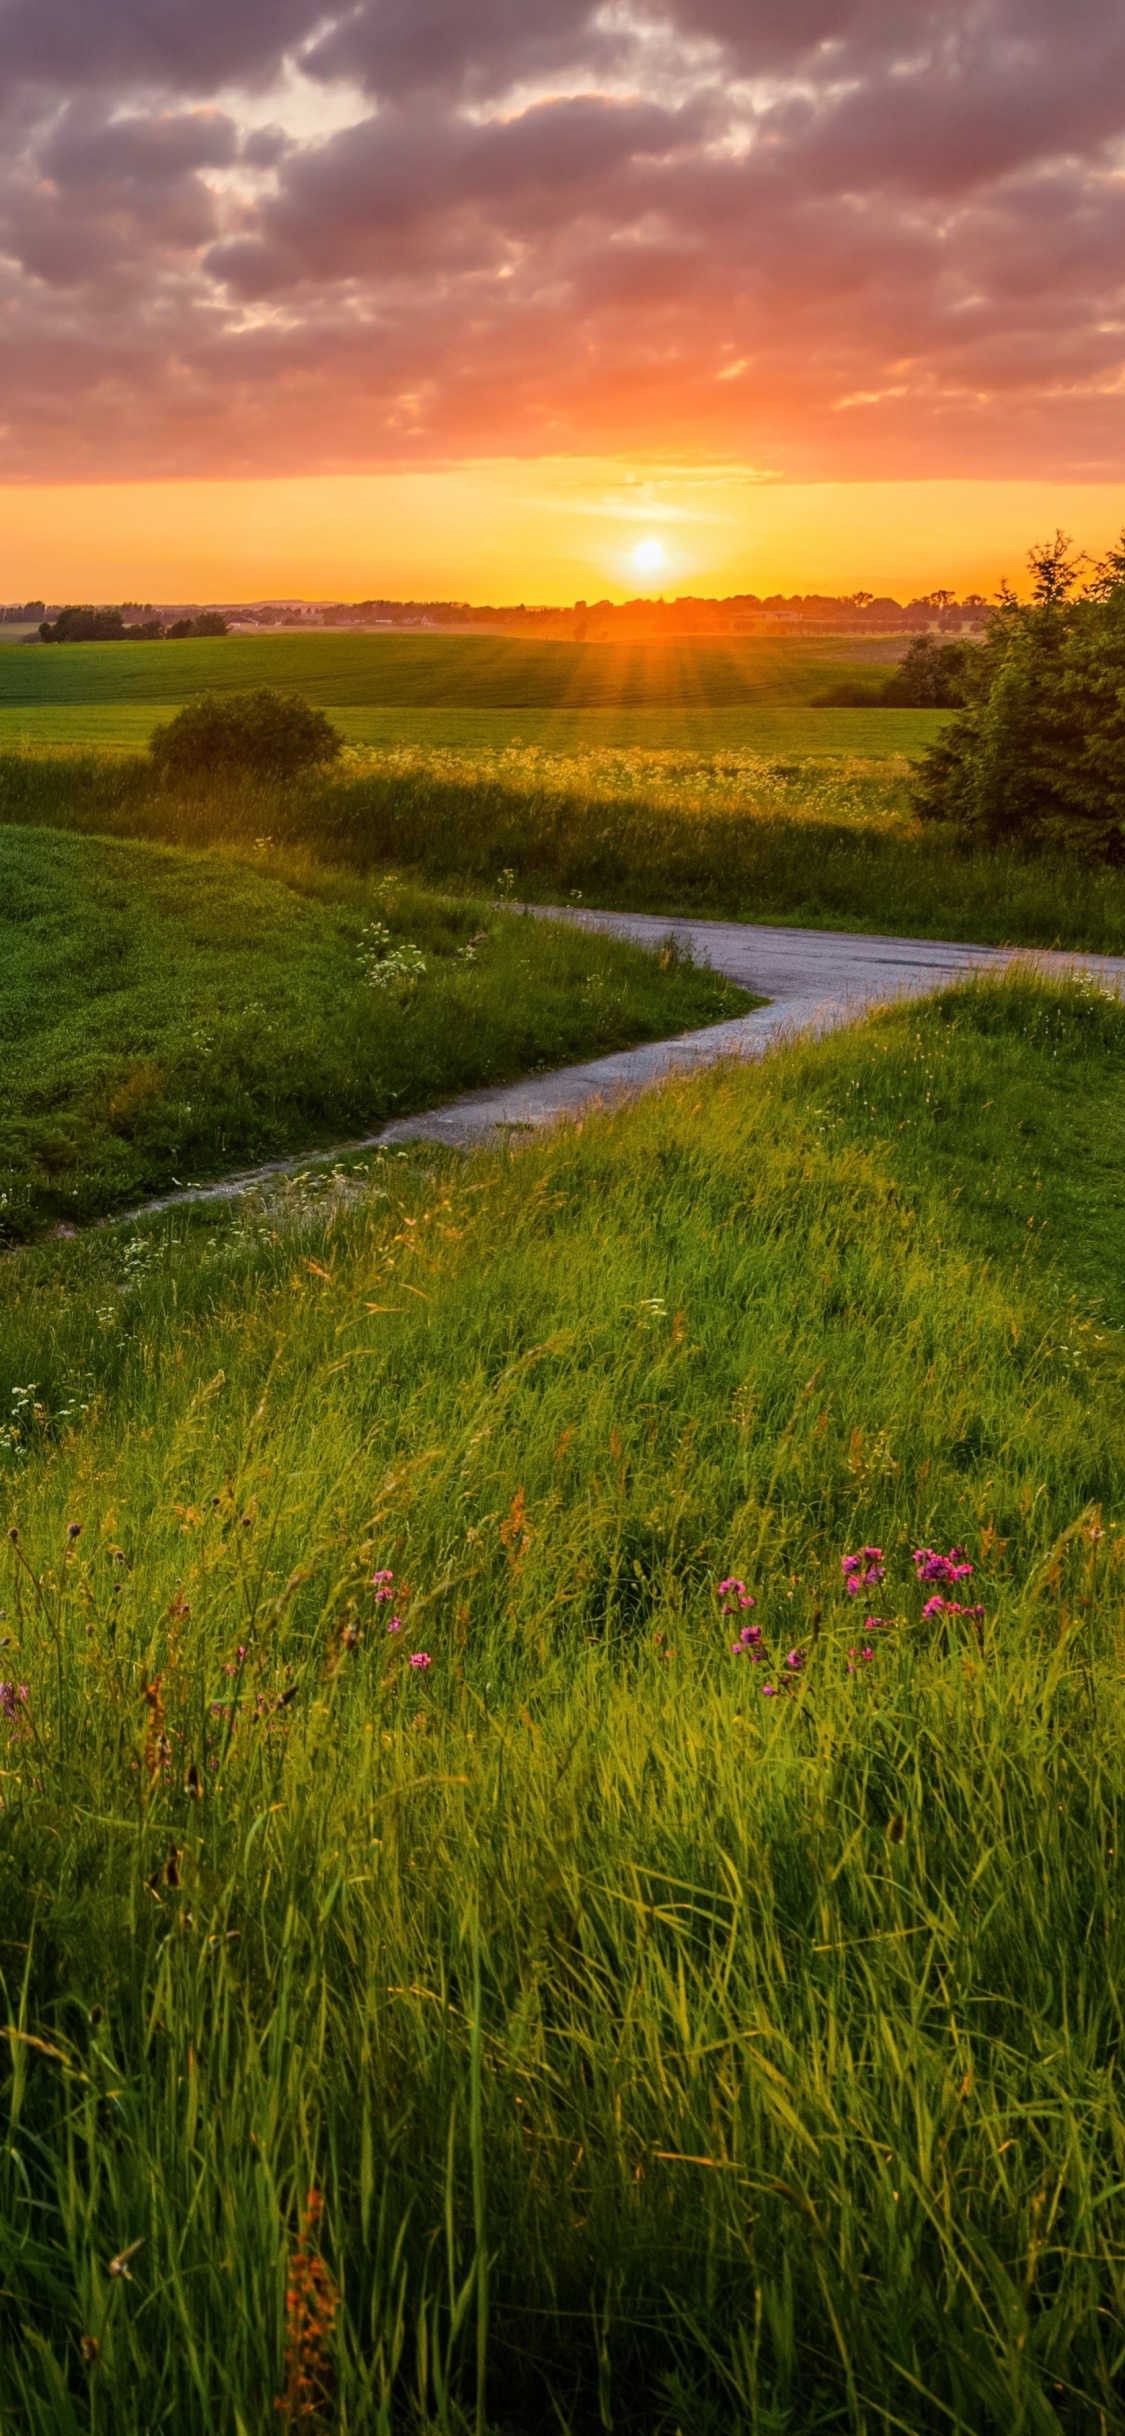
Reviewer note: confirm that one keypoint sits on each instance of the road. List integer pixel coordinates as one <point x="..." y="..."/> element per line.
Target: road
<point x="814" y="981"/>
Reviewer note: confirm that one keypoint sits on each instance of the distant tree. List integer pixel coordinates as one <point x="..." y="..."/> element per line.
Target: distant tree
<point x="1038" y="752"/>
<point x="264" y="735"/>
<point x="85" y="625"/>
<point x="209" y="621"/>
<point x="942" y="600"/>
<point x="930" y="676"/>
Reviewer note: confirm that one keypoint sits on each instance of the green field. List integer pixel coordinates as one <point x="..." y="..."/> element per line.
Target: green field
<point x="468" y="691"/>
<point x="166" y="1016"/>
<point x="784" y="733"/>
<point x="668" y="2057"/>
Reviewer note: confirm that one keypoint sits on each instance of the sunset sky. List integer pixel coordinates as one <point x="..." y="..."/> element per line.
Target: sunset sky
<point x="477" y="297"/>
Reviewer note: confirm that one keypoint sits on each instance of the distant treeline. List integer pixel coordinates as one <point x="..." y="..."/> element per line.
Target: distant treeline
<point x="85" y="625"/>
<point x="740" y="613"/>
<point x="643" y="619"/>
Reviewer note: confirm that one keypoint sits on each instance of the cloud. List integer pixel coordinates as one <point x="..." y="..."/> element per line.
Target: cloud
<point x="830" y="236"/>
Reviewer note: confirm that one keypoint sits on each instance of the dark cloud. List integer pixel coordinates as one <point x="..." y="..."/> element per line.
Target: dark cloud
<point x="836" y="236"/>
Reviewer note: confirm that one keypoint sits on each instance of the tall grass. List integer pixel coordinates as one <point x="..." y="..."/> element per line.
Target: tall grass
<point x="727" y="834"/>
<point x="666" y="2056"/>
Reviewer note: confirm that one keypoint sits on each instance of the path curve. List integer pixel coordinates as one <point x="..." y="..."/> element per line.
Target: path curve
<point x="814" y="981"/>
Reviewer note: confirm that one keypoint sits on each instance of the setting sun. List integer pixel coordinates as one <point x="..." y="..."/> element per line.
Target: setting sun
<point x="648" y="557"/>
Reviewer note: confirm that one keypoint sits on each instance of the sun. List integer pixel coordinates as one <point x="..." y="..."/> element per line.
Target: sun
<point x="648" y="557"/>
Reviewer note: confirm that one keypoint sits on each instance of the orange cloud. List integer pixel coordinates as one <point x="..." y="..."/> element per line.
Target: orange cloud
<point x="831" y="238"/>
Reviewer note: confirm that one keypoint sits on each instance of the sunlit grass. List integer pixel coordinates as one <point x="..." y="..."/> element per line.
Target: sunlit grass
<point x="666" y="2055"/>
<point x="827" y="842"/>
<point x="165" y="1017"/>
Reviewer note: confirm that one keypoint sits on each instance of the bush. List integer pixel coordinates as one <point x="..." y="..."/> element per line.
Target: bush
<point x="264" y="734"/>
<point x="1037" y="754"/>
<point x="930" y="676"/>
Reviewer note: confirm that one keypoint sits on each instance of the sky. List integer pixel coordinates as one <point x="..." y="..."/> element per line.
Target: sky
<point x="426" y="297"/>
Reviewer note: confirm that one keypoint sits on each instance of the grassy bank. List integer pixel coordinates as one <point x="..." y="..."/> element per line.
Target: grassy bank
<point x="667" y="2056"/>
<point x="165" y="1017"/>
<point x="803" y="841"/>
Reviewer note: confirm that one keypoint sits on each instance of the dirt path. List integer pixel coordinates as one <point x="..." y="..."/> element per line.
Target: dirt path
<point x="814" y="980"/>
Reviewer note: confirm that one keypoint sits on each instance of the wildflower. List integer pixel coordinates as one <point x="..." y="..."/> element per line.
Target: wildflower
<point x="73" y="1530"/>
<point x="795" y="1660"/>
<point x="876" y="1624"/>
<point x="934" y="1607"/>
<point x="769" y="1691"/>
<point x="421" y="1659"/>
<point x="395" y="1624"/>
<point x="11" y="1695"/>
<point x="862" y="1571"/>
<point x="734" y="1595"/>
<point x="931" y="1566"/>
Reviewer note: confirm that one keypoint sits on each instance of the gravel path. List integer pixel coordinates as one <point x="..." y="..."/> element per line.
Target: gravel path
<point x="814" y="980"/>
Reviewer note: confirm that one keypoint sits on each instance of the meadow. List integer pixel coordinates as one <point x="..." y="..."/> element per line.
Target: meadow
<point x="166" y="1016"/>
<point x="828" y="842"/>
<point x="474" y="691"/>
<point x="438" y="1968"/>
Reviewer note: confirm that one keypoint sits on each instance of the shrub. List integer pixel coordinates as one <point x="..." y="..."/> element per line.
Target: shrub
<point x="930" y="676"/>
<point x="263" y="734"/>
<point x="1037" y="754"/>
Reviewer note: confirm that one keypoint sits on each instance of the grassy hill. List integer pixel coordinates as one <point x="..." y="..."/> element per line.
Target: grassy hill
<point x="166" y="1016"/>
<point x="664" y="2053"/>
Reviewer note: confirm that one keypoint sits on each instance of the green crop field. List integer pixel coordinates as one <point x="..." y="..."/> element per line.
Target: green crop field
<point x="786" y="733"/>
<point x="438" y="671"/>
<point x="466" y="691"/>
<point x="166" y="1016"/>
<point x="673" y="2040"/>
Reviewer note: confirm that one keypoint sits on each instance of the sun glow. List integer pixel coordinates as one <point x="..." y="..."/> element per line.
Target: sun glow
<point x="648" y="557"/>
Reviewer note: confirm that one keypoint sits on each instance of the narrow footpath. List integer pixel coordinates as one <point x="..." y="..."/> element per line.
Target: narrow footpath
<point x="814" y="980"/>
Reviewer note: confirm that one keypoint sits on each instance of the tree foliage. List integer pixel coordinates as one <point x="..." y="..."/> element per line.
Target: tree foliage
<point x="264" y="734"/>
<point x="1037" y="754"/>
<point x="86" y="625"/>
<point x="930" y="676"/>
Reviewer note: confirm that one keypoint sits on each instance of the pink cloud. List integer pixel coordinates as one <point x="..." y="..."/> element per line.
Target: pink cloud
<point x="897" y="228"/>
